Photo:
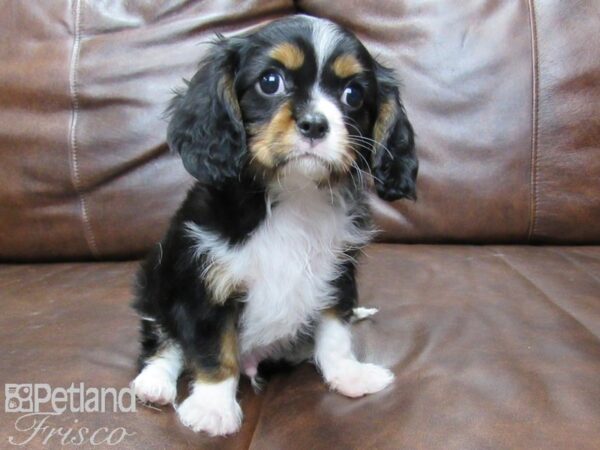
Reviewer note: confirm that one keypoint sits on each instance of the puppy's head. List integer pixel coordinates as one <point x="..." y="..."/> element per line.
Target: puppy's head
<point x="300" y="96"/>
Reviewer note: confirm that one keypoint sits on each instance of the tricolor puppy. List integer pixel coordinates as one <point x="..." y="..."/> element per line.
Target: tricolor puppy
<point x="285" y="130"/>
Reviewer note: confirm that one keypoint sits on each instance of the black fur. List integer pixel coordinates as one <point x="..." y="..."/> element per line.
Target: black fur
<point x="347" y="293"/>
<point x="206" y="126"/>
<point x="395" y="164"/>
<point x="169" y="285"/>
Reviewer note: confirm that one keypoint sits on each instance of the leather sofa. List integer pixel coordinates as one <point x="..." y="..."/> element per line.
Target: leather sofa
<point x="488" y="286"/>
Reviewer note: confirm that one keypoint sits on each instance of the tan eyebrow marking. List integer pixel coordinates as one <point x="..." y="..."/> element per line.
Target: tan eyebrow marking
<point x="288" y="54"/>
<point x="346" y="65"/>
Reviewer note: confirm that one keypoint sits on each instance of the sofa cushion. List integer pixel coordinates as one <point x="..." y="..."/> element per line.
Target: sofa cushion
<point x="84" y="85"/>
<point x="492" y="347"/>
<point x="503" y="96"/>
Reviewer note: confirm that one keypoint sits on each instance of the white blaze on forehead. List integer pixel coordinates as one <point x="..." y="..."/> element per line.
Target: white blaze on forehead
<point x="326" y="37"/>
<point x="335" y="141"/>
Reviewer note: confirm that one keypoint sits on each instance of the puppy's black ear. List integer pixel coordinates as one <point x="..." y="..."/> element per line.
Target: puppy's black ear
<point x="394" y="162"/>
<point x="206" y="125"/>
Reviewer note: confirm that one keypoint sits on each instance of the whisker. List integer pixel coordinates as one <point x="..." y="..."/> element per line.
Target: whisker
<point x="353" y="126"/>
<point x="374" y="142"/>
<point x="364" y="159"/>
<point x="350" y="118"/>
<point x="362" y="145"/>
<point x="330" y="191"/>
<point x="361" y="173"/>
<point x="369" y="174"/>
<point x="362" y="137"/>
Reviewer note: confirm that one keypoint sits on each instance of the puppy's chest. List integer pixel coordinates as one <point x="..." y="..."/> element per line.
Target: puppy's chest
<point x="288" y="264"/>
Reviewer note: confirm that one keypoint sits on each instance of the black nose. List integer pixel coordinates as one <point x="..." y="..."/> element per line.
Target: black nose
<point x="313" y="125"/>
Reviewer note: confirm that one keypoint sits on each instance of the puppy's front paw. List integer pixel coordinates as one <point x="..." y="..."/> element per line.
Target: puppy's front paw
<point x="214" y="418"/>
<point x="355" y="379"/>
<point x="155" y="386"/>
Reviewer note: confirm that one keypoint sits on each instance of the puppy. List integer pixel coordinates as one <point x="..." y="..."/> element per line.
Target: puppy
<point x="285" y="130"/>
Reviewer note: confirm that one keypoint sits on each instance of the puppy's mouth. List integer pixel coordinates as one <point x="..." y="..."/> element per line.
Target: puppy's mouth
<point x="309" y="152"/>
<point x="307" y="156"/>
<point x="306" y="165"/>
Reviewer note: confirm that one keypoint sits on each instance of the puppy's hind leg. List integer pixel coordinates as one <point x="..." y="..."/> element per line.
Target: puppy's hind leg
<point x="162" y="363"/>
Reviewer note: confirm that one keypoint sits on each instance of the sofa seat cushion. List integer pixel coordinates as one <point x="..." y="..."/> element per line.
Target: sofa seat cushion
<point x="492" y="347"/>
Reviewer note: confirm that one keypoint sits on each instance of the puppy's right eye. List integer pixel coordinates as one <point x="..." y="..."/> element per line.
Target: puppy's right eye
<point x="270" y="83"/>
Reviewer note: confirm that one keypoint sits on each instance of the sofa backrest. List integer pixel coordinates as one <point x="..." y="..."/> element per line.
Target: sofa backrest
<point x="504" y="98"/>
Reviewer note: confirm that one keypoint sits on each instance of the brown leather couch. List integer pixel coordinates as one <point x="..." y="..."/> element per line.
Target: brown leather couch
<point x="495" y="342"/>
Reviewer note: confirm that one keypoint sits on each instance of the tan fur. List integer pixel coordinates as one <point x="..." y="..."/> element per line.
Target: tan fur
<point x="272" y="142"/>
<point x="227" y="91"/>
<point x="228" y="359"/>
<point x="220" y="283"/>
<point x="288" y="54"/>
<point x="330" y="313"/>
<point x="346" y="65"/>
<point x="385" y="118"/>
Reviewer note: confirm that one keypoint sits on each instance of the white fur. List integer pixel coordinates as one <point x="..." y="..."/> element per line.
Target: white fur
<point x="360" y="313"/>
<point x="308" y="161"/>
<point x="157" y="382"/>
<point x="326" y="37"/>
<point x="341" y="370"/>
<point x="212" y="408"/>
<point x="334" y="146"/>
<point x="288" y="263"/>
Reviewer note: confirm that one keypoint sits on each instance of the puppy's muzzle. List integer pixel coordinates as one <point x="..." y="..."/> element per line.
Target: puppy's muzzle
<point x="313" y="126"/>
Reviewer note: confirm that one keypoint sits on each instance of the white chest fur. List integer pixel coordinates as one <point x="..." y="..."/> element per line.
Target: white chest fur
<point x="287" y="265"/>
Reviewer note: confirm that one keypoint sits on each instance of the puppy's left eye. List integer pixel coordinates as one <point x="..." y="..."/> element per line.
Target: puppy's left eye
<point x="353" y="96"/>
<point x="270" y="83"/>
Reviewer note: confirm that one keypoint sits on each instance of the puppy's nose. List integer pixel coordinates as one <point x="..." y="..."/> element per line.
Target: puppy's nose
<point x="313" y="125"/>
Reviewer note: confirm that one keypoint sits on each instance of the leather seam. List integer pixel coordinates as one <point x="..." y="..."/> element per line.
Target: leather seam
<point x="582" y="267"/>
<point x="73" y="145"/>
<point x="543" y="295"/>
<point x="533" y="197"/>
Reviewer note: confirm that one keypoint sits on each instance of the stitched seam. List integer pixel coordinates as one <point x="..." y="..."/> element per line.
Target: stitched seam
<point x="75" y="175"/>
<point x="533" y="197"/>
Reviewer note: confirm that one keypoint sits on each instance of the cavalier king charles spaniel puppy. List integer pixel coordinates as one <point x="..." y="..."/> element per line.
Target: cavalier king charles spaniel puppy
<point x="285" y="129"/>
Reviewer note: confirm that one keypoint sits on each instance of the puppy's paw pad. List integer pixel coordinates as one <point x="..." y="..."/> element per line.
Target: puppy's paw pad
<point x="215" y="419"/>
<point x="154" y="386"/>
<point x="355" y="379"/>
